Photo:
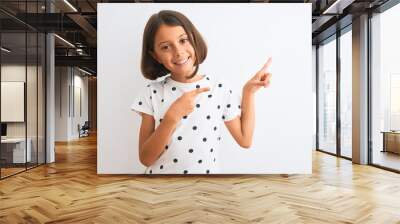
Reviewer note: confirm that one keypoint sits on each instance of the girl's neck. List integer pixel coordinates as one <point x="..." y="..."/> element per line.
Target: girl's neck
<point x="195" y="78"/>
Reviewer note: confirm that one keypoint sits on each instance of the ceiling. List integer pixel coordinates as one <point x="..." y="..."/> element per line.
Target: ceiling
<point x="76" y="22"/>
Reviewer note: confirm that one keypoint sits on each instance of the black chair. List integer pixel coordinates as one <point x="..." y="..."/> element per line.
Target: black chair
<point x="84" y="130"/>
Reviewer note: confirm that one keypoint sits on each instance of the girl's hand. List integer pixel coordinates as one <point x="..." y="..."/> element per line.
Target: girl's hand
<point x="184" y="105"/>
<point x="260" y="79"/>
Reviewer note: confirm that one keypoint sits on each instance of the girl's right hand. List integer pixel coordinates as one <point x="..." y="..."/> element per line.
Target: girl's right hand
<point x="184" y="105"/>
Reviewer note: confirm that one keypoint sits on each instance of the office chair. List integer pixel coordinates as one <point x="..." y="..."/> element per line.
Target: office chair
<point x="84" y="130"/>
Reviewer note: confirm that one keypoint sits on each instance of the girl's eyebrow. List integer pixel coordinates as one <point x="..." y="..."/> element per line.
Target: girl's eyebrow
<point x="184" y="34"/>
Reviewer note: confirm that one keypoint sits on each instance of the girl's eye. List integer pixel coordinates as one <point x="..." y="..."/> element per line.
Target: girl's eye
<point x="184" y="40"/>
<point x="164" y="48"/>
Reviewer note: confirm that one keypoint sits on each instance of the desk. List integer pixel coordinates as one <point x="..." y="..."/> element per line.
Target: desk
<point x="391" y="141"/>
<point x="16" y="147"/>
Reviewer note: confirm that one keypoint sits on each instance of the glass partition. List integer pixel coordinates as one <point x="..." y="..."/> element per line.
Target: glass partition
<point x="13" y="95"/>
<point x="327" y="96"/>
<point x="22" y="77"/>
<point x="385" y="89"/>
<point x="346" y="94"/>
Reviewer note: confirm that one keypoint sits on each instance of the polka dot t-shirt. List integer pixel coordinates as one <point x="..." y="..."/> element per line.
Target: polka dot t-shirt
<point x="193" y="147"/>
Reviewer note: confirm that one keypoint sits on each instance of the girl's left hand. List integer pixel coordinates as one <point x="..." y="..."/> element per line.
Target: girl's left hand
<point x="260" y="79"/>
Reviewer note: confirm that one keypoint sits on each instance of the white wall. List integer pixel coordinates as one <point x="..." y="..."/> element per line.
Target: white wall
<point x="69" y="79"/>
<point x="17" y="73"/>
<point x="239" y="38"/>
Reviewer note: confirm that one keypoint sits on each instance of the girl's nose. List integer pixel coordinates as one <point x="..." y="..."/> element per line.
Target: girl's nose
<point x="178" y="51"/>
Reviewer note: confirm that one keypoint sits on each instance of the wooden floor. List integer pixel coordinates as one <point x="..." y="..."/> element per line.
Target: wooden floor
<point x="70" y="191"/>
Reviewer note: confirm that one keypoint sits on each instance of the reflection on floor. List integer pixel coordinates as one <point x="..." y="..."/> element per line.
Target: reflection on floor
<point x="10" y="169"/>
<point x="386" y="159"/>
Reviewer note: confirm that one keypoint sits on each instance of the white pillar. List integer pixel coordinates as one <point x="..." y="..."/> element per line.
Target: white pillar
<point x="360" y="90"/>
<point x="50" y="98"/>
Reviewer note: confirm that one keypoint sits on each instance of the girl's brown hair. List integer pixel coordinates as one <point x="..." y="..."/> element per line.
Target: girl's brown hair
<point x="151" y="69"/>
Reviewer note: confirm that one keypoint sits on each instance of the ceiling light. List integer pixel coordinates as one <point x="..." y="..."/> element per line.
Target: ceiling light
<point x="84" y="71"/>
<point x="64" y="40"/>
<point x="70" y="5"/>
<point x="337" y="7"/>
<point x="5" y="49"/>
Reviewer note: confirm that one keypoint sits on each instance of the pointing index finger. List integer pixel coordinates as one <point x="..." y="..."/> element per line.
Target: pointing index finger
<point x="199" y="90"/>
<point x="267" y="65"/>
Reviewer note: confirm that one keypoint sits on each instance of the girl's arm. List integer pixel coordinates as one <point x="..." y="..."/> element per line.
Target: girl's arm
<point x="242" y="128"/>
<point x="152" y="141"/>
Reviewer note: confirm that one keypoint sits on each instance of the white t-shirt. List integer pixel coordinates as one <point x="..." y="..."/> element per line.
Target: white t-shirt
<point x="193" y="147"/>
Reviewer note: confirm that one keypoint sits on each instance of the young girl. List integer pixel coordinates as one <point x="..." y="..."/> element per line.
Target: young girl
<point x="182" y="115"/>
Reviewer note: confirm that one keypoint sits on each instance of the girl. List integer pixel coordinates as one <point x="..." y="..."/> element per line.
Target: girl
<point x="182" y="114"/>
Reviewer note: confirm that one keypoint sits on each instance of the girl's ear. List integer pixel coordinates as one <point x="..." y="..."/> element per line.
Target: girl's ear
<point x="154" y="56"/>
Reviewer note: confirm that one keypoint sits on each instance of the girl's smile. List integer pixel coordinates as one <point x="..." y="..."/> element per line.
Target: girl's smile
<point x="181" y="62"/>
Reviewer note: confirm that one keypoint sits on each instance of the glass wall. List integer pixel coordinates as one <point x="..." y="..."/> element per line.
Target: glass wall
<point x="346" y="93"/>
<point x="22" y="90"/>
<point x="327" y="96"/>
<point x="385" y="89"/>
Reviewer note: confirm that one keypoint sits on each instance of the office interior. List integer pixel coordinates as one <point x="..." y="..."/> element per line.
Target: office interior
<point x="48" y="80"/>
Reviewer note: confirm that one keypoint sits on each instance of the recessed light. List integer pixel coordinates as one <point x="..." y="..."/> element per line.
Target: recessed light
<point x="5" y="49"/>
<point x="70" y="5"/>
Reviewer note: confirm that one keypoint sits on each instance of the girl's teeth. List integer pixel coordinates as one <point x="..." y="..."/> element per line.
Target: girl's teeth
<point x="182" y="62"/>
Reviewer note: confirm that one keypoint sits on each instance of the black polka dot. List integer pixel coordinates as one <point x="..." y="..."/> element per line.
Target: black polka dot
<point x="151" y="97"/>
<point x="239" y="106"/>
<point x="204" y="139"/>
<point x="184" y="117"/>
<point x="211" y="150"/>
<point x="197" y="86"/>
<point x="190" y="150"/>
<point x="208" y="171"/>
<point x="166" y="147"/>
<point x="194" y="128"/>
<point x="179" y="138"/>
<point x="223" y="117"/>
<point x="215" y="128"/>
<point x="154" y="91"/>
<point x="209" y="96"/>
<point x="185" y="171"/>
<point x="220" y="85"/>
<point x="219" y="138"/>
<point x="214" y="159"/>
<point x="162" y="100"/>
<point x="207" y="78"/>
<point x="160" y="120"/>
<point x="197" y="105"/>
<point x="173" y="88"/>
<point x="176" y="160"/>
<point x="148" y="85"/>
<point x="200" y="161"/>
<point x="151" y="171"/>
<point x="208" y="117"/>
<point x="161" y="167"/>
<point x="230" y="91"/>
<point x="218" y="107"/>
<point x="228" y="106"/>
<point x="140" y="102"/>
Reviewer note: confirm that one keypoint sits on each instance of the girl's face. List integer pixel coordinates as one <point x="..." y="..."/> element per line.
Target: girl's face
<point x="172" y="49"/>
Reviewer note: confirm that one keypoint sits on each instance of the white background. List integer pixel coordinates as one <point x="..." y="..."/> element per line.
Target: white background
<point x="240" y="37"/>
